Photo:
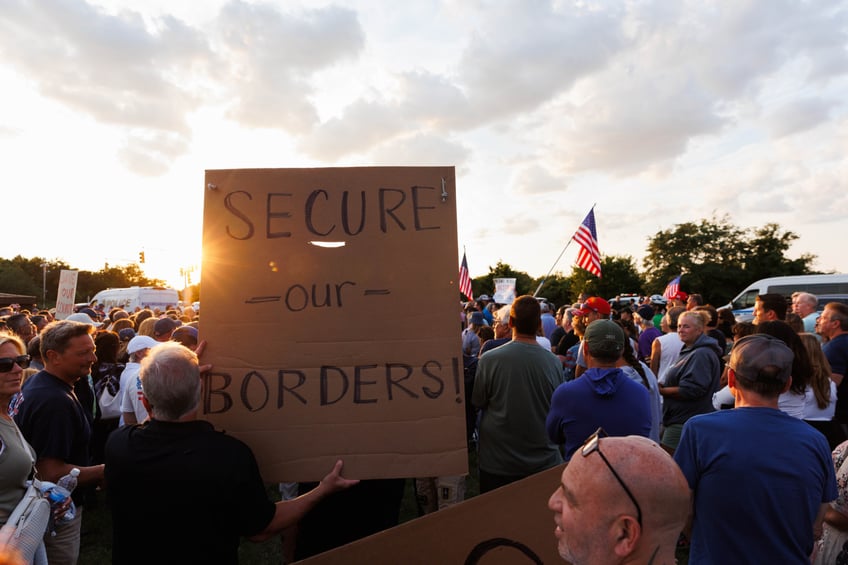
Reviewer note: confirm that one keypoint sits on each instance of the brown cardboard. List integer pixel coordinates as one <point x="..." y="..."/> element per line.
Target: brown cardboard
<point x="507" y="526"/>
<point x="322" y="352"/>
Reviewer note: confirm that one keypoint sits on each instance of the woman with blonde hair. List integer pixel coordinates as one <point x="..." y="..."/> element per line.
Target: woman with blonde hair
<point x="691" y="381"/>
<point x="820" y="394"/>
<point x="16" y="454"/>
<point x="146" y="327"/>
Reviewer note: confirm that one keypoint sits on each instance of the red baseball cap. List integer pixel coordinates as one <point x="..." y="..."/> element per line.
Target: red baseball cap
<point x="595" y="304"/>
<point x="681" y="296"/>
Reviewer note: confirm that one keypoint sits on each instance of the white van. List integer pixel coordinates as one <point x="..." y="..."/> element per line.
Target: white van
<point x="137" y="297"/>
<point x="831" y="286"/>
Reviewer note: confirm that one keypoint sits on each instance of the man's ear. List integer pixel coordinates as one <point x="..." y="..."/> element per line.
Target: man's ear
<point x="731" y="378"/>
<point x="627" y="533"/>
<point x="50" y="356"/>
<point x="146" y="404"/>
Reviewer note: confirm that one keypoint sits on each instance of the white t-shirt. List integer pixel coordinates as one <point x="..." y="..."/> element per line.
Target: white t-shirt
<point x="128" y="378"/>
<point x="670" y="346"/>
<point x="792" y="404"/>
<point x="131" y="389"/>
<point x="811" y="407"/>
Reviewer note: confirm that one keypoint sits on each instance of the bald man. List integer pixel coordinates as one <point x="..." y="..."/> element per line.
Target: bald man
<point x="621" y="500"/>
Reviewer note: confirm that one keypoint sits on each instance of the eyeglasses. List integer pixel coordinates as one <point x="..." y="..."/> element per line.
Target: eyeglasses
<point x="8" y="363"/>
<point x="593" y="444"/>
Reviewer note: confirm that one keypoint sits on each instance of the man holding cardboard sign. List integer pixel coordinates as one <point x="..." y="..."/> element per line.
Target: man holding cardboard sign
<point x="194" y="491"/>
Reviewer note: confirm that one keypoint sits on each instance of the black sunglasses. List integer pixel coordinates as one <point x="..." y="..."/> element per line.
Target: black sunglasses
<point x="593" y="444"/>
<point x="8" y="363"/>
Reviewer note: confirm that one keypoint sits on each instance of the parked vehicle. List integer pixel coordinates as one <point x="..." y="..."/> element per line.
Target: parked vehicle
<point x="829" y="288"/>
<point x="137" y="297"/>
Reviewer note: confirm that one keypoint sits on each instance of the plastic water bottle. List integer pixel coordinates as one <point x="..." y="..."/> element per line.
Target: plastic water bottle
<point x="62" y="490"/>
<point x="69" y="481"/>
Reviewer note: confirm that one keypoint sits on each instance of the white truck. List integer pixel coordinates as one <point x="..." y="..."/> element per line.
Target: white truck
<point x="826" y="287"/>
<point x="137" y="297"/>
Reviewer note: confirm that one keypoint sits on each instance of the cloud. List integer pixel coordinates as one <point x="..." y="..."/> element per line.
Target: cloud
<point x="113" y="68"/>
<point x="620" y="88"/>
<point x="110" y="67"/>
<point x="633" y="123"/>
<point x="422" y="150"/>
<point x="151" y="153"/>
<point x="513" y="64"/>
<point x="363" y="126"/>
<point x="427" y="105"/>
<point x="147" y="75"/>
<point x="537" y="179"/>
<point x="432" y="100"/>
<point x="690" y="73"/>
<point x="272" y="56"/>
<point x="732" y="50"/>
<point x="526" y="53"/>
<point x="799" y="115"/>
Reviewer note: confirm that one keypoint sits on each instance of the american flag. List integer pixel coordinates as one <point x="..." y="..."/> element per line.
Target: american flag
<point x="589" y="257"/>
<point x="673" y="288"/>
<point x="465" y="280"/>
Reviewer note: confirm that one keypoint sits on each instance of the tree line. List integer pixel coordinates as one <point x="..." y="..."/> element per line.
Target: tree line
<point x="36" y="275"/>
<point x="716" y="258"/>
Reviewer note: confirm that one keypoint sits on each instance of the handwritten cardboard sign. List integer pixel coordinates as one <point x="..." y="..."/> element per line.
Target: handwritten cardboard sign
<point x="329" y="306"/>
<point x="66" y="295"/>
<point x="507" y="526"/>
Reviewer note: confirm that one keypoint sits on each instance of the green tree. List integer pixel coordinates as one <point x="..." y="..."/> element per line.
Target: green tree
<point x="27" y="276"/>
<point x="619" y="274"/>
<point x="556" y="289"/>
<point x="15" y="280"/>
<point x="35" y="275"/>
<point x="717" y="258"/>
<point x="767" y="254"/>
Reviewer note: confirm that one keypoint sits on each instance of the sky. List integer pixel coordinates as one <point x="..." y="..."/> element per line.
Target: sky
<point x="656" y="113"/>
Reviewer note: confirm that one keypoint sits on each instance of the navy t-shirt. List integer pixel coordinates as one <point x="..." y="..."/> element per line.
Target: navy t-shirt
<point x="55" y="423"/>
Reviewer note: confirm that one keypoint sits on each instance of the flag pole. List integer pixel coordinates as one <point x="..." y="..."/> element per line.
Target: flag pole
<point x="558" y="258"/>
<point x="552" y="267"/>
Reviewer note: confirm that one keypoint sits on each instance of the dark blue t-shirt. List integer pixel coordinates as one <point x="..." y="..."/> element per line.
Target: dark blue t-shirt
<point x="759" y="478"/>
<point x="836" y="351"/>
<point x="54" y="423"/>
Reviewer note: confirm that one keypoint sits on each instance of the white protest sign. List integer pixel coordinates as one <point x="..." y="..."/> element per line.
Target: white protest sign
<point x="66" y="295"/>
<point x="504" y="291"/>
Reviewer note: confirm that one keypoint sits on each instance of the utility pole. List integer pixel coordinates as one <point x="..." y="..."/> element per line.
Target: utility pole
<point x="44" y="285"/>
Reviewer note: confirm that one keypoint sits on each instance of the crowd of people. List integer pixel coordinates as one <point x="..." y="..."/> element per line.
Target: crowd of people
<point x="754" y="416"/>
<point x="116" y="395"/>
<point x="679" y="426"/>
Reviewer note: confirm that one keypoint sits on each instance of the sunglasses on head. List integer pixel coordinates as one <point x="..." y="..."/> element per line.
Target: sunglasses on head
<point x="593" y="445"/>
<point x="8" y="363"/>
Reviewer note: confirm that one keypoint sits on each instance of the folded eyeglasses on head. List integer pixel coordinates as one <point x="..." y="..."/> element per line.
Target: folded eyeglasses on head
<point x="592" y="445"/>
